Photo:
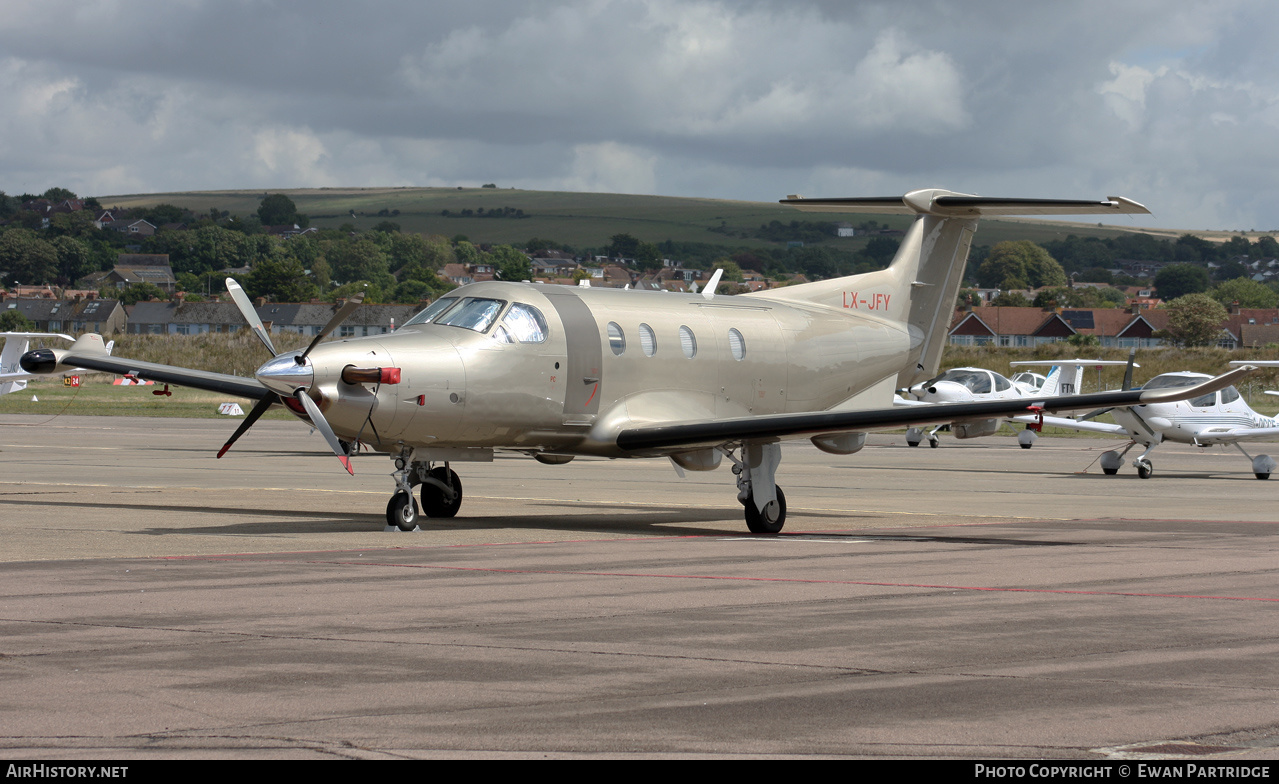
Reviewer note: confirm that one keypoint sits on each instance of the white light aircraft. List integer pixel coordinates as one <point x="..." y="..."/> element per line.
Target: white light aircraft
<point x="967" y="384"/>
<point x="12" y="377"/>
<point x="1212" y="418"/>
<point x="555" y="372"/>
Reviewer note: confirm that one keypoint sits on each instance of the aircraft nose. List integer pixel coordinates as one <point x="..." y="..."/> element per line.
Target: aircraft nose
<point x="284" y="375"/>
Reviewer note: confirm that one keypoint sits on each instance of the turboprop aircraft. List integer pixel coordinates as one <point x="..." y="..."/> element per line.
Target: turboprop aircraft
<point x="555" y="372"/>
<point x="1220" y="417"/>
<point x="12" y="377"/>
<point x="965" y="384"/>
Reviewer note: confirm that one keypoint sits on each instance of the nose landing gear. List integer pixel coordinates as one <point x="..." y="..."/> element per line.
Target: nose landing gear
<point x="441" y="494"/>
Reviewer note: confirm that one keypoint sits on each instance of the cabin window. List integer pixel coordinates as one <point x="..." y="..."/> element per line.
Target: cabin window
<point x="616" y="339"/>
<point x="1229" y="395"/>
<point x="688" y="342"/>
<point x="737" y="345"/>
<point x="648" y="340"/>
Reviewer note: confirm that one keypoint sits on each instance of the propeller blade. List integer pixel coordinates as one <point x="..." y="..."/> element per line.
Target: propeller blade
<point x="322" y="424"/>
<point x="1132" y="355"/>
<point x="254" y="415"/>
<point x="342" y="315"/>
<point x="250" y="315"/>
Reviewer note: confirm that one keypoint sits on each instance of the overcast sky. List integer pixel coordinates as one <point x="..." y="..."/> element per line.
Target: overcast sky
<point x="1175" y="105"/>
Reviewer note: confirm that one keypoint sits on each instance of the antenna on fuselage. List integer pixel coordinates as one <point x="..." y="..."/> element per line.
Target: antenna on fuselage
<point x="709" y="291"/>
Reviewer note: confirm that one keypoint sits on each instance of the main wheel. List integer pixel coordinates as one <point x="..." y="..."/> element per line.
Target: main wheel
<point x="1025" y="446"/>
<point x="934" y="442"/>
<point x="1144" y="469"/>
<point x="433" y="503"/>
<point x="771" y="520"/>
<point x="1262" y="476"/>
<point x="1110" y="471"/>
<point x="401" y="511"/>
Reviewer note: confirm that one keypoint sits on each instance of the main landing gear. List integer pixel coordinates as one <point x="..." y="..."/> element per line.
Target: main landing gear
<point x="915" y="436"/>
<point x="441" y="494"/>
<point x="1112" y="460"/>
<point x="764" y="501"/>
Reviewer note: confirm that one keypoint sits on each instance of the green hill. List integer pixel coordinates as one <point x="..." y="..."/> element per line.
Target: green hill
<point x="582" y="220"/>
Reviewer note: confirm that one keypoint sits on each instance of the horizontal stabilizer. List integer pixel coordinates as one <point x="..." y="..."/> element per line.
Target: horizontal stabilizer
<point x="960" y="205"/>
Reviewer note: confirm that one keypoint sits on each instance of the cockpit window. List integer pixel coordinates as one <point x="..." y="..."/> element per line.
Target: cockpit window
<point x="1203" y="401"/>
<point x="475" y="313"/>
<point x="1229" y="395"/>
<point x="434" y="309"/>
<point x="978" y="382"/>
<point x="521" y="324"/>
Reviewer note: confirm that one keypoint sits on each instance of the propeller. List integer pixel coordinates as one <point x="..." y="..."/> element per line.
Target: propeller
<point x="291" y="373"/>
<point x="1127" y="385"/>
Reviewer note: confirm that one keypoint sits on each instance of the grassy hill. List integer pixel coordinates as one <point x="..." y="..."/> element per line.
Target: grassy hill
<point x="582" y="220"/>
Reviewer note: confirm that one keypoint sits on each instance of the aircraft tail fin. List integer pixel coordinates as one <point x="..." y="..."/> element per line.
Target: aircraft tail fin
<point x="920" y="286"/>
<point x="91" y="343"/>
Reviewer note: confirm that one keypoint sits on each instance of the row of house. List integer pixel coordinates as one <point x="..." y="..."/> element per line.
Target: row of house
<point x="1133" y="328"/>
<point x="109" y="316"/>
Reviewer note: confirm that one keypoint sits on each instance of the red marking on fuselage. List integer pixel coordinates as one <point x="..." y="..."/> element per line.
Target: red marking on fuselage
<point x="592" y="397"/>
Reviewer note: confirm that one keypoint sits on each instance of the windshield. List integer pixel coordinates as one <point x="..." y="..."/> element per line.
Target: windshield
<point x="472" y="313"/>
<point x="1171" y="380"/>
<point x="977" y="381"/>
<point x="434" y="309"/>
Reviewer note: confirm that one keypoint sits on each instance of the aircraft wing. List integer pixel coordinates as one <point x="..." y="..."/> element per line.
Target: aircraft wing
<point x="666" y="438"/>
<point x="54" y="360"/>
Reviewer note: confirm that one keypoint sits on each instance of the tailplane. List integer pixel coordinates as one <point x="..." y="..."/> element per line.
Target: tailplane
<point x="920" y="286"/>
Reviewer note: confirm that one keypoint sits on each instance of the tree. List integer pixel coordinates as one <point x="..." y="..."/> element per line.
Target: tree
<point x="1177" y="280"/>
<point x="13" y="321"/>
<point x="622" y="246"/>
<point x="139" y="292"/>
<point x="277" y="209"/>
<point x="1018" y="265"/>
<point x="26" y="258"/>
<point x="1010" y="299"/>
<point x="1245" y="291"/>
<point x="510" y="263"/>
<point x="1193" y="320"/>
<point x="280" y="279"/>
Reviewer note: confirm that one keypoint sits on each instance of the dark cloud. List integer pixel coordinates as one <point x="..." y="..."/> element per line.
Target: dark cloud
<point x="1174" y="107"/>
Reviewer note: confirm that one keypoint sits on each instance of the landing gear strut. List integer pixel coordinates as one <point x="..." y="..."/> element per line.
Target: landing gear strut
<point x="765" y="502"/>
<point x="441" y="493"/>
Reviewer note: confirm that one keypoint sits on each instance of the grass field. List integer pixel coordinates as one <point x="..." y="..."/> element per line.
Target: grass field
<point x="582" y="220"/>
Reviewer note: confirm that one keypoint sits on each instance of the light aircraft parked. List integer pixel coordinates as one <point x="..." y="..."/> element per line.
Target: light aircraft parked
<point x="12" y="377"/>
<point x="557" y="371"/>
<point x="1220" y="417"/>
<point x="967" y="384"/>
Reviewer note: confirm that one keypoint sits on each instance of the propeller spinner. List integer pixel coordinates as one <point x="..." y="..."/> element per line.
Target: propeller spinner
<point x="289" y="375"/>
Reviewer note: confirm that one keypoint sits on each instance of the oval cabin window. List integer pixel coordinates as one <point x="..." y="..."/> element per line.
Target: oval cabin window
<point x="648" y="340"/>
<point x="737" y="345"/>
<point x="616" y="340"/>
<point x="687" y="342"/>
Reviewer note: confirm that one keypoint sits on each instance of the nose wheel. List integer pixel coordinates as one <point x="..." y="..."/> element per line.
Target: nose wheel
<point x="401" y="511"/>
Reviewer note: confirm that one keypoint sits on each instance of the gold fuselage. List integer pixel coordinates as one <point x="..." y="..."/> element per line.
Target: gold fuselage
<point x="573" y="392"/>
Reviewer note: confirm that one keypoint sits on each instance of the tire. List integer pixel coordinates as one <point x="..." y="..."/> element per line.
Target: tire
<point x="1145" y="469"/>
<point x="1110" y="471"/>
<point x="1262" y="476"/>
<point x="756" y="521"/>
<point x="1025" y="446"/>
<point x="934" y="442"/>
<point x="433" y="503"/>
<point x="401" y="511"/>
